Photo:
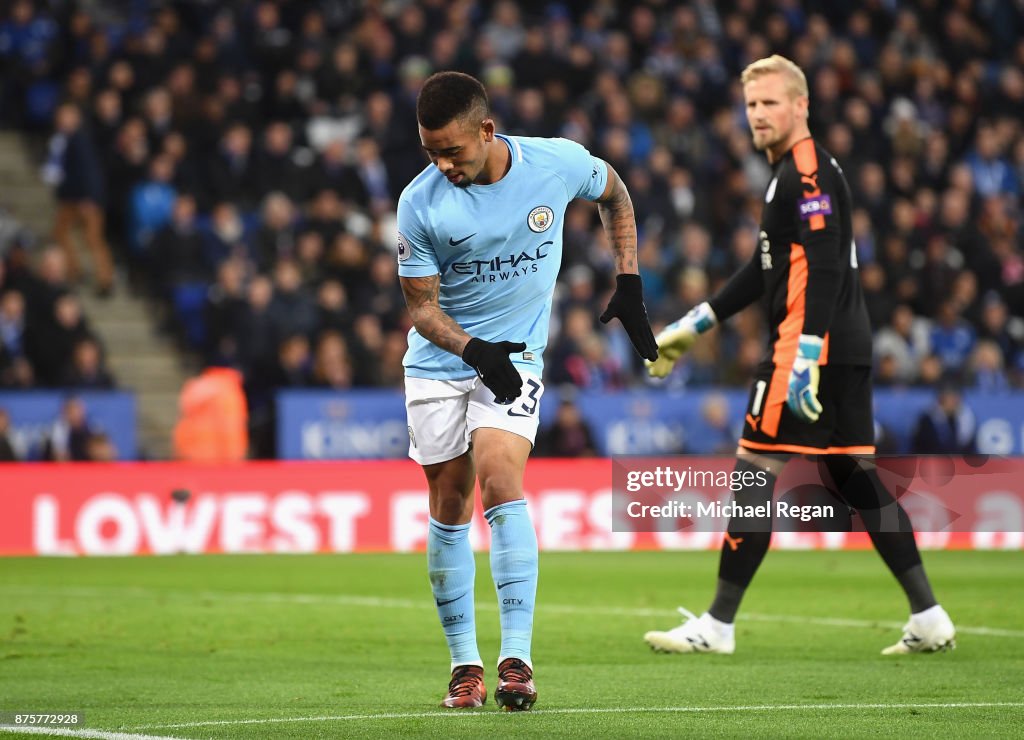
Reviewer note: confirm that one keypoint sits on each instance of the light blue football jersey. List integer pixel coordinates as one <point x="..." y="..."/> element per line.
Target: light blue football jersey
<point x="497" y="248"/>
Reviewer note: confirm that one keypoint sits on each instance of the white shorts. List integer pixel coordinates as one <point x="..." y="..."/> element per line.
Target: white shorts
<point x="443" y="414"/>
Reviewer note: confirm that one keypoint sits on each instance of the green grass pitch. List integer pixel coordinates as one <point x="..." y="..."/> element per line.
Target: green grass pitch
<point x="349" y="646"/>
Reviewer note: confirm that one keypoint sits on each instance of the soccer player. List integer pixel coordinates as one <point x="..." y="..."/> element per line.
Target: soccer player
<point x="812" y="391"/>
<point x="479" y="247"/>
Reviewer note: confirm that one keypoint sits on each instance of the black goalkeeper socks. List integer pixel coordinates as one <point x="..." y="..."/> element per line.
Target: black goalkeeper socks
<point x="918" y="589"/>
<point x="887" y="524"/>
<point x="745" y="544"/>
<point x="727" y="601"/>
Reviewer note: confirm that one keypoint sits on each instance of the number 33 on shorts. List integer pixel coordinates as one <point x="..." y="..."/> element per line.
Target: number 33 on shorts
<point x="530" y="399"/>
<point x="443" y="414"/>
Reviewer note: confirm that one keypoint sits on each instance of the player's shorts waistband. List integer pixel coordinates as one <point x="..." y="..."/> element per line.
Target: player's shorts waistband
<point x="806" y="450"/>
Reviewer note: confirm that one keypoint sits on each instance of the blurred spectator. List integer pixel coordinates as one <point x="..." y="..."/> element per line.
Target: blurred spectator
<point x="569" y="435"/>
<point x="291" y="367"/>
<point x="391" y="374"/>
<point x="987" y="368"/>
<point x="566" y="343"/>
<point x="367" y="346"/>
<point x="68" y="440"/>
<point x="948" y="427"/>
<point x="100" y="448"/>
<point x="374" y="176"/>
<point x="51" y="339"/>
<point x="226" y="236"/>
<point x="7" y="452"/>
<point x="930" y="371"/>
<point x="231" y="173"/>
<point x="294" y="363"/>
<point x="334" y="171"/>
<point x="12" y="327"/>
<point x="333" y="311"/>
<point x="257" y="336"/>
<point x="952" y="338"/>
<point x="127" y="165"/>
<point x="384" y="295"/>
<point x="879" y="299"/>
<point x="275" y="237"/>
<point x="592" y="367"/>
<point x="276" y="164"/>
<point x="152" y="206"/>
<point x="28" y="39"/>
<point x="991" y="172"/>
<point x="332" y="367"/>
<point x="87" y="369"/>
<point x="108" y="115"/>
<point x="937" y="275"/>
<point x="157" y="112"/>
<point x="309" y="253"/>
<point x="899" y="347"/>
<point x="225" y="313"/>
<point x="187" y="173"/>
<point x="998" y="326"/>
<point x="46" y="284"/>
<point x="74" y="167"/>
<point x="504" y="31"/>
<point x="326" y="217"/>
<point x="721" y="434"/>
<point x="348" y="261"/>
<point x="176" y="251"/>
<point x="342" y="79"/>
<point x="292" y="308"/>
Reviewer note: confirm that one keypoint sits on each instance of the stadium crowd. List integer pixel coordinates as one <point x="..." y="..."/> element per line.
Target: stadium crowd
<point x="248" y="155"/>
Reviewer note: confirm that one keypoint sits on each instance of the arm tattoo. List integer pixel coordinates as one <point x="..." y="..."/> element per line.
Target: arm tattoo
<point x="421" y="296"/>
<point x="616" y="210"/>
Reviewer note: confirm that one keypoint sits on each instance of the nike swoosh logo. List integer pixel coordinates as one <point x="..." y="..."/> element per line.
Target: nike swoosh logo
<point x="513" y="413"/>
<point x="455" y="243"/>
<point x="509" y="583"/>
<point x="449" y="601"/>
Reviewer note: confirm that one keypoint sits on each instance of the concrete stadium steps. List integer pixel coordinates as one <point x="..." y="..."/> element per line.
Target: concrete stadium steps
<point x="158" y="412"/>
<point x="141" y="360"/>
<point x="21" y="191"/>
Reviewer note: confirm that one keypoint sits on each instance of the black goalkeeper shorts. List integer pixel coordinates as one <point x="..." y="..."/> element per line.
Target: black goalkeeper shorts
<point x="846" y="424"/>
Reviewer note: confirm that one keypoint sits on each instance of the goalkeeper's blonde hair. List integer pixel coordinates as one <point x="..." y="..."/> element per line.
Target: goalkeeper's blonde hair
<point x="796" y="83"/>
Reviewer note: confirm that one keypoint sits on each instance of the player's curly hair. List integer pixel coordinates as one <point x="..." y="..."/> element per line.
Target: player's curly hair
<point x="447" y="96"/>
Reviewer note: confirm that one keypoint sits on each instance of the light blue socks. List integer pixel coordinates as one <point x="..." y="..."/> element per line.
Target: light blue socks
<point x="452" y="576"/>
<point x="514" y="569"/>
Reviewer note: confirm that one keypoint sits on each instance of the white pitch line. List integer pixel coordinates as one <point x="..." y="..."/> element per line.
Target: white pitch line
<point x="596" y="710"/>
<point x="376" y="602"/>
<point x="867" y="623"/>
<point x="94" y="734"/>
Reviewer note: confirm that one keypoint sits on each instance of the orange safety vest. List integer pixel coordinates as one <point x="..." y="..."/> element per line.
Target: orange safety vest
<point x="213" y="418"/>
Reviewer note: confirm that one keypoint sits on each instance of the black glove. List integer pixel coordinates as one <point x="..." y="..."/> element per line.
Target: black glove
<point x="490" y="360"/>
<point x="628" y="305"/>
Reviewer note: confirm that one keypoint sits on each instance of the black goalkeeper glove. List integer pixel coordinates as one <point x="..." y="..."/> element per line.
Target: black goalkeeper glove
<point x="628" y="305"/>
<point x="491" y="362"/>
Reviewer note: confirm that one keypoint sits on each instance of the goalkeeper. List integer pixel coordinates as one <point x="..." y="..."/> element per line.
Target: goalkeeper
<point x="812" y="391"/>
